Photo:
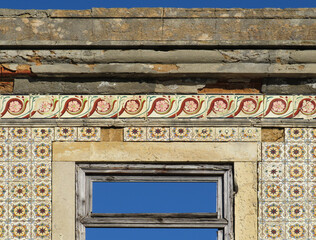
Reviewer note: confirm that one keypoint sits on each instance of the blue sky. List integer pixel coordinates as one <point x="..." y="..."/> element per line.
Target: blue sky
<point x="87" y="4"/>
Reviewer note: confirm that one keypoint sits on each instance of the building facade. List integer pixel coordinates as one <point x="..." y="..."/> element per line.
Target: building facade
<point x="116" y="88"/>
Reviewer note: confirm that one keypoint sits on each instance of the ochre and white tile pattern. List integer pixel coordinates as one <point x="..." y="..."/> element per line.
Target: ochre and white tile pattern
<point x="287" y="187"/>
<point x="25" y="178"/>
<point x="202" y="106"/>
<point x="203" y="134"/>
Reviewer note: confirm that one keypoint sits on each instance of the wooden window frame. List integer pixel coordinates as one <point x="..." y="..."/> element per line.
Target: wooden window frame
<point x="121" y="172"/>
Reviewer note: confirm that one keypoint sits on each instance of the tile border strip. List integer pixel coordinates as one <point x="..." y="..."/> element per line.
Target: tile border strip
<point x="157" y="107"/>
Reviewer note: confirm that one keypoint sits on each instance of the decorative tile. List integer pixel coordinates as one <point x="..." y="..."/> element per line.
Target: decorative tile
<point x="312" y="171"/>
<point x="41" y="210"/>
<point x="4" y="171"/>
<point x="104" y="106"/>
<point x="272" y="151"/>
<point x="66" y="134"/>
<point x="312" y="230"/>
<point x="226" y="134"/>
<point x="311" y="191"/>
<point x="312" y="152"/>
<point x="132" y="106"/>
<point x="135" y="134"/>
<point x="312" y="210"/>
<point x="278" y="106"/>
<point x="4" y="152"/>
<point x="249" y="106"/>
<point x="42" y="106"/>
<point x="15" y="106"/>
<point x="89" y="134"/>
<point x="295" y="134"/>
<point x="20" y="134"/>
<point x="273" y="191"/>
<point x="158" y="134"/>
<point x="273" y="171"/>
<point x="296" y="230"/>
<point x="3" y="191"/>
<point x="296" y="190"/>
<point x="296" y="171"/>
<point x="296" y="152"/>
<point x="204" y="134"/>
<point x="41" y="230"/>
<point x="3" y="133"/>
<point x="221" y="106"/>
<point x="249" y="134"/>
<point x="41" y="171"/>
<point x="74" y="106"/>
<point x="162" y="106"/>
<point x="20" y="171"/>
<point x="19" y="230"/>
<point x="273" y="211"/>
<point x="43" y="134"/>
<point x="304" y="107"/>
<point x="4" y="230"/>
<point x="19" y="211"/>
<point x="191" y="106"/>
<point x="4" y="207"/>
<point x="41" y="151"/>
<point x="272" y="230"/>
<point x="42" y="191"/>
<point x="20" y="191"/>
<point x="296" y="211"/>
<point x="181" y="134"/>
<point x="311" y="134"/>
<point x="20" y="151"/>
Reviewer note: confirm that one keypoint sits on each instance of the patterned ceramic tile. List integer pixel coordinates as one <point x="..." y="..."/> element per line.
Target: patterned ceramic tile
<point x="66" y="134"/>
<point x="4" y="230"/>
<point x="304" y="107"/>
<point x="74" y="106"/>
<point x="20" y="191"/>
<point x="4" y="173"/>
<point x="4" y="152"/>
<point x="273" y="171"/>
<point x="278" y="106"/>
<point x="311" y="134"/>
<point x="249" y="106"/>
<point x="296" y="171"/>
<point x="162" y="106"/>
<point x="19" y="134"/>
<point x="104" y="106"/>
<point x="4" y="210"/>
<point x="14" y="106"/>
<point x="272" y="151"/>
<point x="296" y="134"/>
<point x="20" y="151"/>
<point x="311" y="210"/>
<point x="89" y="134"/>
<point x="226" y="134"/>
<point x="41" y="151"/>
<point x="273" y="191"/>
<point x="312" y="152"/>
<point x="41" y="210"/>
<point x="296" y="230"/>
<point x="204" y="134"/>
<point x="41" y="171"/>
<point x="249" y="134"/>
<point x="3" y="133"/>
<point x="272" y="230"/>
<point x="135" y="134"/>
<point x="19" y="211"/>
<point x="181" y="134"/>
<point x="221" y="106"/>
<point x="41" y="191"/>
<point x="296" y="152"/>
<point x="43" y="134"/>
<point x="19" y="230"/>
<point x="158" y="134"/>
<point x="297" y="211"/>
<point x="41" y="230"/>
<point x="3" y="191"/>
<point x="132" y="106"/>
<point x="191" y="106"/>
<point x="42" y="106"/>
<point x="312" y="171"/>
<point x="273" y="211"/>
<point x="312" y="230"/>
<point x="311" y="191"/>
<point x="20" y="171"/>
<point x="296" y="191"/>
